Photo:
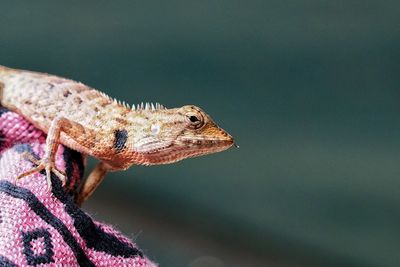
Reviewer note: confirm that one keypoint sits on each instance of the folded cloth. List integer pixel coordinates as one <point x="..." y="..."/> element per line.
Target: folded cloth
<point x="41" y="225"/>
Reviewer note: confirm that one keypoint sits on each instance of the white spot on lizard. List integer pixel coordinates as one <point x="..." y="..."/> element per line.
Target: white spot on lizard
<point x="155" y="129"/>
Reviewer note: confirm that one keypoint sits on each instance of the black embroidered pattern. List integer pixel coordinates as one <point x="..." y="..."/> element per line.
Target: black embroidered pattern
<point x="73" y="159"/>
<point x="2" y="139"/>
<point x="4" y="262"/>
<point x="37" y="207"/>
<point x="94" y="236"/>
<point x="35" y="259"/>
<point x="3" y="110"/>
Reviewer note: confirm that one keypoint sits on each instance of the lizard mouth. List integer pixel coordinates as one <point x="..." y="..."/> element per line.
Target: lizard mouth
<point x="185" y="148"/>
<point x="209" y="142"/>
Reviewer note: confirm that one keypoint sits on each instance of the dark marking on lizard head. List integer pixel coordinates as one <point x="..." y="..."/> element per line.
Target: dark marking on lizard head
<point x="121" y="121"/>
<point x="120" y="139"/>
<point x="104" y="104"/>
<point x="66" y="93"/>
<point x="51" y="85"/>
<point x="78" y="100"/>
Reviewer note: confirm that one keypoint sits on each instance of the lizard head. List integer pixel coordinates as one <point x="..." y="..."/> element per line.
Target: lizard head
<point x="175" y="134"/>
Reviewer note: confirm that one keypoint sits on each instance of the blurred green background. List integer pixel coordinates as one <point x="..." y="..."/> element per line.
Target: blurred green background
<point x="310" y="90"/>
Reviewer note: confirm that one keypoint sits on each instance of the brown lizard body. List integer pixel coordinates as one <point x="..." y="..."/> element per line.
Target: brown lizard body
<point x="94" y="124"/>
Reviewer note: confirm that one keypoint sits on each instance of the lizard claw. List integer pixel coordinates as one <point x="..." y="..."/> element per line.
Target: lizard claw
<point x="44" y="164"/>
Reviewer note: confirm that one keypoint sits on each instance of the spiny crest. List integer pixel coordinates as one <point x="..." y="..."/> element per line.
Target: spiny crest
<point x="106" y="96"/>
<point x="121" y="103"/>
<point x="148" y="106"/>
<point x="141" y="106"/>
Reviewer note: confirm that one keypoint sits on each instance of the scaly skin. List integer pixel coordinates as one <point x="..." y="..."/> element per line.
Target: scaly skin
<point x="94" y="124"/>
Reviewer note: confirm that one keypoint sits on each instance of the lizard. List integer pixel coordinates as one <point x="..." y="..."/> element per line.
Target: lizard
<point x="95" y="124"/>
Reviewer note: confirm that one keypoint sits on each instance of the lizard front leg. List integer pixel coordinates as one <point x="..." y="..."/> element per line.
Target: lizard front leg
<point x="92" y="181"/>
<point x="48" y="161"/>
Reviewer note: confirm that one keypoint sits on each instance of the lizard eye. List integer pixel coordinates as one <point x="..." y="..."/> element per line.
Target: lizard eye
<point x="193" y="119"/>
<point x="196" y="120"/>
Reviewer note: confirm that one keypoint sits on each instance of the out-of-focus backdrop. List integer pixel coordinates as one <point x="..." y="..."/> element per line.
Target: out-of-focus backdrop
<point x="310" y="90"/>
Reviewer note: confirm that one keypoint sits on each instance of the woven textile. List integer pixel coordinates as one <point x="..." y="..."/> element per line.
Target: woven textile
<point x="43" y="227"/>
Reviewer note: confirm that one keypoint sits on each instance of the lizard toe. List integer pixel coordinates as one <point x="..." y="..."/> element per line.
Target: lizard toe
<point x="61" y="175"/>
<point x="31" y="171"/>
<point x="49" y="168"/>
<point x="30" y="157"/>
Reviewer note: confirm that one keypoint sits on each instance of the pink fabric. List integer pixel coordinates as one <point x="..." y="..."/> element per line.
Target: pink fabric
<point x="43" y="227"/>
